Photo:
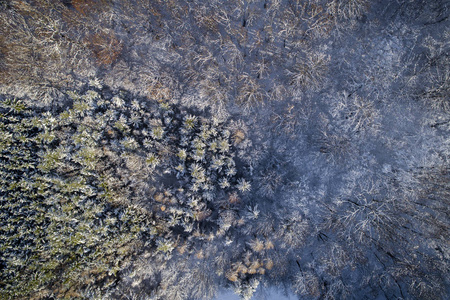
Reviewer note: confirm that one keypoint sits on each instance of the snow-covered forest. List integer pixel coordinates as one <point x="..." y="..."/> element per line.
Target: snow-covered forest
<point x="172" y="149"/>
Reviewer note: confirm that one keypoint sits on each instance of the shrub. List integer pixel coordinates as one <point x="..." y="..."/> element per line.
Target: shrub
<point x="336" y="146"/>
<point x="436" y="95"/>
<point x="356" y="114"/>
<point x="105" y="46"/>
<point x="310" y="72"/>
<point x="348" y="9"/>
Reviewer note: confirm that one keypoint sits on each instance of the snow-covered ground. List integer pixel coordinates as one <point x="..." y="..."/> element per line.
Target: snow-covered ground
<point x="245" y="143"/>
<point x="260" y="294"/>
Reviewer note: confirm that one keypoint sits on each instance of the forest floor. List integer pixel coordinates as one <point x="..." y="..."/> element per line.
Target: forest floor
<point x="173" y="149"/>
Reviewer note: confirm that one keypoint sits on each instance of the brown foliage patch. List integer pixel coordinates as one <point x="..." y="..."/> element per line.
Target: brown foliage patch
<point x="89" y="7"/>
<point x="105" y="47"/>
